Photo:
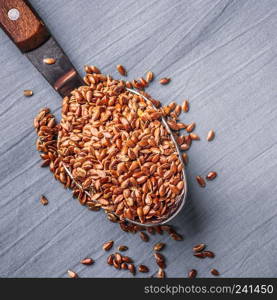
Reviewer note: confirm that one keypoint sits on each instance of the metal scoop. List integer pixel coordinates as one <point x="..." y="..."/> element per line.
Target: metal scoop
<point x="179" y="200"/>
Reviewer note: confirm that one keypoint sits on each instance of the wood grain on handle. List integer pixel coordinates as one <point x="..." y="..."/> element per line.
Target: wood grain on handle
<point x="22" y="24"/>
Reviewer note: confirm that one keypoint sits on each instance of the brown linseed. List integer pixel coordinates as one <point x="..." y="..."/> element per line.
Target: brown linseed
<point x="43" y="200"/>
<point x="49" y="61"/>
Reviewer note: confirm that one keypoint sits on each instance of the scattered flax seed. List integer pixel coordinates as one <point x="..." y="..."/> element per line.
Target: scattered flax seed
<point x="161" y="273"/>
<point x="124" y="266"/>
<point x="144" y="236"/>
<point x="185" y="106"/>
<point x="121" y="70"/>
<point x="49" y="61"/>
<point x="95" y="70"/>
<point x="164" y="80"/>
<point x="194" y="136"/>
<point x="184" y="147"/>
<point x="173" y="125"/>
<point x="72" y="274"/>
<point x="172" y="105"/>
<point x="159" y="246"/>
<point x="190" y="127"/>
<point x="127" y="259"/>
<point x="43" y="200"/>
<point x="108" y="245"/>
<point x="132" y="269"/>
<point x="143" y="82"/>
<point x="143" y="269"/>
<point x="87" y="69"/>
<point x="112" y="217"/>
<point x="160" y="259"/>
<point x="87" y="261"/>
<point x="118" y="257"/>
<point x="156" y="103"/>
<point x="137" y="84"/>
<point x="199" y="255"/>
<point x="201" y="181"/>
<point x="215" y="272"/>
<point x="176" y="237"/>
<point x="209" y="254"/>
<point x="116" y="264"/>
<point x="180" y="139"/>
<point x="210" y="136"/>
<point x="181" y="125"/>
<point x="178" y="110"/>
<point x="122" y="248"/>
<point x="192" y="273"/>
<point x="110" y="259"/>
<point x="199" y="248"/>
<point x="149" y="76"/>
<point x="91" y="70"/>
<point x="129" y="85"/>
<point x="211" y="175"/>
<point x="28" y="93"/>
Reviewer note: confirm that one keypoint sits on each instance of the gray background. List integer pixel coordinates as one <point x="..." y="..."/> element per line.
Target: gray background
<point x="219" y="54"/>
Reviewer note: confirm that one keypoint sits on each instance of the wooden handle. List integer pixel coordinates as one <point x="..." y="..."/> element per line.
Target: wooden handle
<point x="19" y="20"/>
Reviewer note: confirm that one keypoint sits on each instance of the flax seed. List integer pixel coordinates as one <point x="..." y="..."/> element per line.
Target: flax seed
<point x="28" y="93"/>
<point x="132" y="269"/>
<point x="164" y="80"/>
<point x="72" y="274"/>
<point x="199" y="255"/>
<point x="192" y="273"/>
<point x="124" y="266"/>
<point x="118" y="257"/>
<point x="110" y="259"/>
<point x="210" y="136"/>
<point x="144" y="236"/>
<point x="121" y="70"/>
<point x="194" y="136"/>
<point x="215" y="272"/>
<point x="95" y="70"/>
<point x="209" y="254"/>
<point x="211" y="175"/>
<point x="185" y="106"/>
<point x="122" y="248"/>
<point x="159" y="246"/>
<point x="143" y="269"/>
<point x="149" y="76"/>
<point x="199" y="247"/>
<point x="127" y="259"/>
<point x="176" y="237"/>
<point x="108" y="245"/>
<point x="116" y="264"/>
<point x="184" y="147"/>
<point x="190" y="127"/>
<point x="161" y="273"/>
<point x="49" y="61"/>
<point x="87" y="261"/>
<point x="201" y="181"/>
<point x="159" y="257"/>
<point x="43" y="200"/>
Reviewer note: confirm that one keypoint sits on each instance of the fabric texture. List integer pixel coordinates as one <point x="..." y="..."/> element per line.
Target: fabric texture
<point x="221" y="55"/>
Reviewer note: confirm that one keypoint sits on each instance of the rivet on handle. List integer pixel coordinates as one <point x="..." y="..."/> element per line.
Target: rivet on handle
<point x="13" y="14"/>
